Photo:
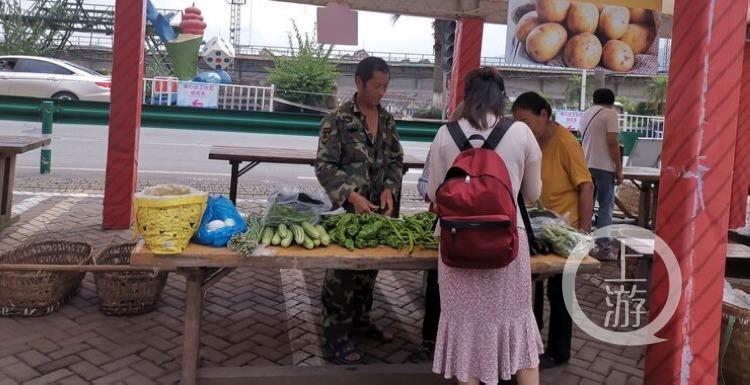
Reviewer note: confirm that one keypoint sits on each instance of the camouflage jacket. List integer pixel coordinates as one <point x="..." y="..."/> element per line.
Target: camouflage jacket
<point x="350" y="159"/>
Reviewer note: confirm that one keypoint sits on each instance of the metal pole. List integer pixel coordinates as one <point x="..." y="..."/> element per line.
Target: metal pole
<point x="583" y="90"/>
<point x="48" y="113"/>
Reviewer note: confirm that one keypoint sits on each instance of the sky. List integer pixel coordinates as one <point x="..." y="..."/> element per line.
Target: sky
<point x="266" y="23"/>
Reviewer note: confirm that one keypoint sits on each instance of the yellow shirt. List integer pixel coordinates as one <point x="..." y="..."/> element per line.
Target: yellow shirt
<point x="563" y="170"/>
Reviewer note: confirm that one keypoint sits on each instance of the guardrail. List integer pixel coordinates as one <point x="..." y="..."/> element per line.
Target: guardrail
<point x="264" y="122"/>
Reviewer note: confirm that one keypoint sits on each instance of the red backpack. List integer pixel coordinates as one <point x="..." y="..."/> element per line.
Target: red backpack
<point x="476" y="205"/>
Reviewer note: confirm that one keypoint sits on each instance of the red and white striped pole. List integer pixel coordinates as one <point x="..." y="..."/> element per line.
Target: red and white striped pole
<point x="124" y="113"/>
<point x="708" y="40"/>
<point x="467" y="56"/>
<point x="741" y="178"/>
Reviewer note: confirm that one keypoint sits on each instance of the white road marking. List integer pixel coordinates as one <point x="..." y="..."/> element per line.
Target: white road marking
<point x="27" y="204"/>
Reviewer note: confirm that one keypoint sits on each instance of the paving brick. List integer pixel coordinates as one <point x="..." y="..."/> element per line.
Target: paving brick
<point x="587" y="353"/>
<point x="87" y="370"/>
<point x="121" y="363"/>
<point x="114" y="377"/>
<point x="5" y="361"/>
<point x="33" y="358"/>
<point x="74" y="380"/>
<point x="633" y="371"/>
<point x="68" y="350"/>
<point x="50" y="378"/>
<point x="95" y="356"/>
<point x="20" y="372"/>
<point x="617" y="378"/>
<point x="155" y="356"/>
<point x="147" y="369"/>
<point x="44" y="345"/>
<point x="567" y="379"/>
<point x="58" y="364"/>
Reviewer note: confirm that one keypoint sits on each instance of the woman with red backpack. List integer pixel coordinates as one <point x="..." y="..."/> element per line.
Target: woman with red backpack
<point x="479" y="164"/>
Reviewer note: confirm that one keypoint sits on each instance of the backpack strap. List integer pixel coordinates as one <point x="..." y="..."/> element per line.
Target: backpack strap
<point x="497" y="134"/>
<point x="458" y="136"/>
<point x="526" y="222"/>
<point x="490" y="143"/>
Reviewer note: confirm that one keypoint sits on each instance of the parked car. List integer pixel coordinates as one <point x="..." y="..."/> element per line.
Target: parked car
<point x="42" y="77"/>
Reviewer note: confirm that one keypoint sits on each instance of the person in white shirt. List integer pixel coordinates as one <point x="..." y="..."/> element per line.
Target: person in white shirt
<point x="600" y="133"/>
<point x="487" y="330"/>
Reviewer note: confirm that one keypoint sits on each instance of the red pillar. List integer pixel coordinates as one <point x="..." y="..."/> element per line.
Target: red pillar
<point x="741" y="178"/>
<point x="124" y="113"/>
<point x="467" y="56"/>
<point x="693" y="213"/>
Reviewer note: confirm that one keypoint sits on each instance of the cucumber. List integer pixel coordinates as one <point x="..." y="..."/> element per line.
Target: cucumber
<point x="299" y="234"/>
<point x="316" y="242"/>
<point x="308" y="243"/>
<point x="283" y="231"/>
<point x="265" y="239"/>
<point x="286" y="242"/>
<point x="311" y="231"/>
<point x="325" y="239"/>
<point x="276" y="240"/>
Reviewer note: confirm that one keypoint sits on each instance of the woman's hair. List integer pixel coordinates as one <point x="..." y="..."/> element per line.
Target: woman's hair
<point x="484" y="93"/>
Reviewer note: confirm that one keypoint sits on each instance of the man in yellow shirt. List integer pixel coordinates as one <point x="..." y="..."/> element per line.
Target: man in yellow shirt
<point x="567" y="189"/>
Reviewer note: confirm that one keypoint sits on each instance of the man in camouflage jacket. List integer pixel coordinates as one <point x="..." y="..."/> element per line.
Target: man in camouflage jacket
<point x="360" y="165"/>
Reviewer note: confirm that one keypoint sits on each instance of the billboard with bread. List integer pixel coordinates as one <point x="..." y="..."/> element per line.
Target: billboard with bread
<point x="585" y="35"/>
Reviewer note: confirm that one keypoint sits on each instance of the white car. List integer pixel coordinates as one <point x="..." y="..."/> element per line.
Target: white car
<point x="41" y="77"/>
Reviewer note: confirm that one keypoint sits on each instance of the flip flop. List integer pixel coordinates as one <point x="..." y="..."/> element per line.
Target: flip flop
<point x="343" y="352"/>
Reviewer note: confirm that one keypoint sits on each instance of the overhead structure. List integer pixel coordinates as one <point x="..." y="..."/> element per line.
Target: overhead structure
<point x="235" y="21"/>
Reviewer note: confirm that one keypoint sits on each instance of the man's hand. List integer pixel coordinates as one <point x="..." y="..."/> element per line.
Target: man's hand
<point x="386" y="202"/>
<point x="620" y="177"/>
<point x="361" y="205"/>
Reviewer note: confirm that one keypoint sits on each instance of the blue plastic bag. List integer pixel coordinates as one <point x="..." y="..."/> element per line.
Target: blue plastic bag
<point x="220" y="222"/>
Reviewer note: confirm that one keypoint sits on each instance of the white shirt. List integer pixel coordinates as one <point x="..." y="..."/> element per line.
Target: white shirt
<point x="602" y="120"/>
<point x="518" y="149"/>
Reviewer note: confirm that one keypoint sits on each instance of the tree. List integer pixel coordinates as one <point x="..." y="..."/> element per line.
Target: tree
<point x="573" y="92"/>
<point x="657" y="91"/>
<point x="305" y="77"/>
<point x="25" y="33"/>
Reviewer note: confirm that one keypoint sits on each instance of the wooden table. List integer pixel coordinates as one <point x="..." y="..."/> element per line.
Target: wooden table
<point x="737" y="259"/>
<point x="204" y="266"/>
<point x="257" y="155"/>
<point x="647" y="181"/>
<point x="10" y="146"/>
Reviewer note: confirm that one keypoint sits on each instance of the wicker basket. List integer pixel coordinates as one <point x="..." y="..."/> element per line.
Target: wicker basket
<point x="39" y="293"/>
<point x="630" y="196"/>
<point x="167" y="216"/>
<point x="735" y="361"/>
<point x="127" y="293"/>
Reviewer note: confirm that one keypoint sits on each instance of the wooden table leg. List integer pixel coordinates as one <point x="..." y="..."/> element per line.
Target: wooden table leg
<point x="192" y="334"/>
<point x="233" y="181"/>
<point x="7" y="173"/>
<point x="644" y="207"/>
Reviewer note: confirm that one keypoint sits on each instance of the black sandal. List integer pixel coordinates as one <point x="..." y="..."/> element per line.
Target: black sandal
<point x="343" y="351"/>
<point x="373" y="332"/>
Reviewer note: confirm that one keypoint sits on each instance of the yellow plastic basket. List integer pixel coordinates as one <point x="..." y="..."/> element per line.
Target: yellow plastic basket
<point x="167" y="216"/>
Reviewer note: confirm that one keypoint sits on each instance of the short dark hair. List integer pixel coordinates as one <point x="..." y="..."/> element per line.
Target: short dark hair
<point x="484" y="93"/>
<point x="367" y="67"/>
<point x="531" y="101"/>
<point x="604" y="96"/>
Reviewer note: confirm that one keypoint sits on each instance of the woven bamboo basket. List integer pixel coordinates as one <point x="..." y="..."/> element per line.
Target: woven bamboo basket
<point x="630" y="196"/>
<point x="126" y="293"/>
<point x="42" y="292"/>
<point x="167" y="216"/>
<point x="735" y="361"/>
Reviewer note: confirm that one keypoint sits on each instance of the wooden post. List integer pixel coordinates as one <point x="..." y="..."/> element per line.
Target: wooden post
<point x="693" y="214"/>
<point x="741" y="178"/>
<point x="468" y="56"/>
<point x="125" y="113"/>
<point x="192" y="334"/>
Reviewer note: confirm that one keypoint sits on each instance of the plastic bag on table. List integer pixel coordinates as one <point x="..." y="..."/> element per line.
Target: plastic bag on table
<point x="220" y="222"/>
<point x="559" y="235"/>
<point x="291" y="205"/>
